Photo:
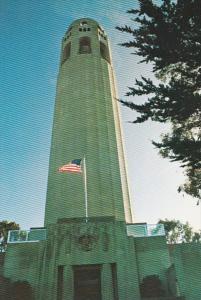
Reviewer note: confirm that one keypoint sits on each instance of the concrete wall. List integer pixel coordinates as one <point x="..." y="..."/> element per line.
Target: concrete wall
<point x="80" y="243"/>
<point x="104" y="241"/>
<point x="22" y="262"/>
<point x="152" y="258"/>
<point x="187" y="262"/>
<point x="73" y="243"/>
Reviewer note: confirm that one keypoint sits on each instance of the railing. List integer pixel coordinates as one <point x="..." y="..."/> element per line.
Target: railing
<point x="140" y="230"/>
<point x="23" y="236"/>
<point x="165" y="298"/>
<point x="39" y="234"/>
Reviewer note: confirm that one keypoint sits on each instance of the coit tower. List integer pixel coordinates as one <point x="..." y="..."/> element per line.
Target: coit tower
<point x="86" y="124"/>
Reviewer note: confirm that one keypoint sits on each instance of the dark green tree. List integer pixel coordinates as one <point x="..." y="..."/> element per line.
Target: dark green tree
<point x="22" y="290"/>
<point x="17" y="290"/>
<point x="5" y="288"/>
<point x="169" y="37"/>
<point x="5" y="226"/>
<point x="178" y="232"/>
<point x="151" y="286"/>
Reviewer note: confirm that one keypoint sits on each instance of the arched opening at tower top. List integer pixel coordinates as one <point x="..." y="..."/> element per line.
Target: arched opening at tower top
<point x="66" y="52"/>
<point x="104" y="52"/>
<point x="84" y="45"/>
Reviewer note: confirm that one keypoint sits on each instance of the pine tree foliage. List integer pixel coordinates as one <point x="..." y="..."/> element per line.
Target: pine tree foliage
<point x="169" y="37"/>
<point x="178" y="232"/>
<point x="5" y="226"/>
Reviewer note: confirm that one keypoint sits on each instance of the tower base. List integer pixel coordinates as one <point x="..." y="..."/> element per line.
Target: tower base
<point x="88" y="259"/>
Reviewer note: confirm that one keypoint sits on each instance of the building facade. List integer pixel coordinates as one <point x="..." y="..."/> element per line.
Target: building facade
<point x="89" y="248"/>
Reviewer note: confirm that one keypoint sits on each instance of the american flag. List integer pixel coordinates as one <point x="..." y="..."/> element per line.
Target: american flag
<point x="73" y="166"/>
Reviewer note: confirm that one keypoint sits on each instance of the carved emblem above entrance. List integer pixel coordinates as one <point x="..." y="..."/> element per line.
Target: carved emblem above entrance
<point x="87" y="242"/>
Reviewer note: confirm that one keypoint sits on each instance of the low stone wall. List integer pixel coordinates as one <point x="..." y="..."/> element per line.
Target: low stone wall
<point x="164" y="298"/>
<point x="187" y="263"/>
<point x="152" y="258"/>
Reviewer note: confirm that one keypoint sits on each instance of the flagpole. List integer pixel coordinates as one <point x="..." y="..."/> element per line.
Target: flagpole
<point x="85" y="189"/>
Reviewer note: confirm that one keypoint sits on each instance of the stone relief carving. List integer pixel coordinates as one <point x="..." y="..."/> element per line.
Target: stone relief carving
<point x="85" y="238"/>
<point x="87" y="242"/>
<point x="105" y="241"/>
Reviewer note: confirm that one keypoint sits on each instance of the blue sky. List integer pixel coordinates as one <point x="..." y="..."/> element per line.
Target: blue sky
<point x="30" y="38"/>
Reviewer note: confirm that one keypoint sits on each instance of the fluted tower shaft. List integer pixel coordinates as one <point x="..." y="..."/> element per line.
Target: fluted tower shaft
<point x="86" y="123"/>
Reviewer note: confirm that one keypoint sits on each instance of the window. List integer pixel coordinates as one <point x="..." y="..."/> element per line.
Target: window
<point x="66" y="52"/>
<point x="87" y="282"/>
<point x="104" y="52"/>
<point x="83" y="23"/>
<point x="60" y="282"/>
<point x="114" y="281"/>
<point x="84" y="29"/>
<point x="85" y="45"/>
<point x="100" y="28"/>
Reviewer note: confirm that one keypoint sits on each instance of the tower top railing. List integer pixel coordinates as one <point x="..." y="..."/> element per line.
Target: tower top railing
<point x="39" y="234"/>
<point x="22" y="236"/>
<point x="145" y="230"/>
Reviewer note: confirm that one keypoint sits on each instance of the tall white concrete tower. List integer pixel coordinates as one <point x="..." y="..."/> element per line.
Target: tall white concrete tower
<point x="86" y="123"/>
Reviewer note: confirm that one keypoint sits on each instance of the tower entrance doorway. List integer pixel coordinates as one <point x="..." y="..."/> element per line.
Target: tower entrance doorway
<point x="87" y="282"/>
